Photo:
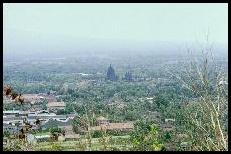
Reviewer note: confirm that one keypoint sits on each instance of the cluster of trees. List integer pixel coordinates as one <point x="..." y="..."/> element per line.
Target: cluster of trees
<point x="145" y="137"/>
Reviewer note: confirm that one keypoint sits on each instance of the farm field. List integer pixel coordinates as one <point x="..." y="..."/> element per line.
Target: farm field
<point x="96" y="145"/>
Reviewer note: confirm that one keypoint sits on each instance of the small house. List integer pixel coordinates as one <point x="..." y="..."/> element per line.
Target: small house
<point x="102" y="120"/>
<point x="72" y="137"/>
<point x="125" y="127"/>
<point x="170" y="121"/>
<point x="61" y="138"/>
<point x="32" y="98"/>
<point x="31" y="139"/>
<point x="43" y="138"/>
<point x="11" y="112"/>
<point x="54" y="106"/>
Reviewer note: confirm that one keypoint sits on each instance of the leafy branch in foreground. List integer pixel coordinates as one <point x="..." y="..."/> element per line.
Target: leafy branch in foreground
<point x="207" y="114"/>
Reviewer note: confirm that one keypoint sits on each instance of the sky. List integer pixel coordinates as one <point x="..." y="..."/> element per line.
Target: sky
<point x="30" y="27"/>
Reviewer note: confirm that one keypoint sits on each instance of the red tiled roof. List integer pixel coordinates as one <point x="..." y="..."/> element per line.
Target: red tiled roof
<point x="101" y="118"/>
<point x="113" y="126"/>
<point x="70" y="136"/>
<point x="56" y="104"/>
<point x="31" y="97"/>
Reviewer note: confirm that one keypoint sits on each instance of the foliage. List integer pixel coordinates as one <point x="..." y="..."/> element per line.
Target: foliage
<point x="55" y="130"/>
<point x="61" y="112"/>
<point x="6" y="134"/>
<point x="97" y="134"/>
<point x="17" y="145"/>
<point x="204" y="121"/>
<point x="79" y="124"/>
<point x="145" y="137"/>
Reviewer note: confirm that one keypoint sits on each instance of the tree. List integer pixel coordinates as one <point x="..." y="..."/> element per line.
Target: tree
<point x="207" y="114"/>
<point x="131" y="115"/>
<point x="162" y="99"/>
<point x="55" y="133"/>
<point x="79" y="124"/>
<point x="61" y="112"/>
<point x="145" y="137"/>
<point x="6" y="133"/>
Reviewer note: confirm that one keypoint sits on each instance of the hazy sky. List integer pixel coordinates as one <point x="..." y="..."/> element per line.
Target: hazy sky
<point x="43" y="27"/>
